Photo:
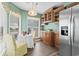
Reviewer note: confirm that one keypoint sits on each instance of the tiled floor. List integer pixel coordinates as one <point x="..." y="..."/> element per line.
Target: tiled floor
<point x="42" y="49"/>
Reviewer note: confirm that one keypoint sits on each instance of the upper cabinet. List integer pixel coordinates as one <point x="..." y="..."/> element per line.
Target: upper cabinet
<point x="51" y="15"/>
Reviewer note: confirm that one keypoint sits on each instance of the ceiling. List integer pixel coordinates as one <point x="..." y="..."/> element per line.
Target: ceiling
<point x="41" y="7"/>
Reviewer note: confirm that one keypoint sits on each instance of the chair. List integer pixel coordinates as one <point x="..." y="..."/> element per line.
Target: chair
<point x="30" y="41"/>
<point x="14" y="48"/>
<point x="2" y="48"/>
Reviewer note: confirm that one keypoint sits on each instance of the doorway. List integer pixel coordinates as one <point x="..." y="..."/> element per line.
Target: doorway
<point x="34" y="26"/>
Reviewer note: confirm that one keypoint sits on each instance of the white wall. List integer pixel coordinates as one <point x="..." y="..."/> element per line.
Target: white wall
<point x="3" y="19"/>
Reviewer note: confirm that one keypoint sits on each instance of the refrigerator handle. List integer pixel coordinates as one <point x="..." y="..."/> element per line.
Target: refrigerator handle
<point x="73" y="29"/>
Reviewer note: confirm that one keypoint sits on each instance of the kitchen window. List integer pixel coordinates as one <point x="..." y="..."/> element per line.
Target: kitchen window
<point x="14" y="24"/>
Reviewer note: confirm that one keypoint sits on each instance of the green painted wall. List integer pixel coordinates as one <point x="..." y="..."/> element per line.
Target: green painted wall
<point x="24" y="21"/>
<point x="23" y="13"/>
<point x="53" y="26"/>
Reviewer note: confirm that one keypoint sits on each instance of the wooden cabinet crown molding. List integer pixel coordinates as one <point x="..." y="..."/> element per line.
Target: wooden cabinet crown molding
<point x="59" y="9"/>
<point x="71" y="5"/>
<point x="65" y="7"/>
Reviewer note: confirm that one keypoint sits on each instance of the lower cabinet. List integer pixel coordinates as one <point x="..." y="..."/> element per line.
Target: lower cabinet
<point x="57" y="40"/>
<point x="48" y="38"/>
<point x="51" y="38"/>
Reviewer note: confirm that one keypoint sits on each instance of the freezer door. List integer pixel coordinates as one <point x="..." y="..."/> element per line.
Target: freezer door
<point x="64" y="31"/>
<point x="75" y="13"/>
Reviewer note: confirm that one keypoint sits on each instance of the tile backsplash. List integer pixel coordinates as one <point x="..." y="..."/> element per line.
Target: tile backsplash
<point x="52" y="26"/>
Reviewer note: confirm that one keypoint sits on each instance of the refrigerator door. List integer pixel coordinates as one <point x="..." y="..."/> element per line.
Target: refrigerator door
<point x="75" y="13"/>
<point x="64" y="31"/>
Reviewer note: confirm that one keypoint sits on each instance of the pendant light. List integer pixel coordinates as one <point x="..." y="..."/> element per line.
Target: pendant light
<point x="33" y="10"/>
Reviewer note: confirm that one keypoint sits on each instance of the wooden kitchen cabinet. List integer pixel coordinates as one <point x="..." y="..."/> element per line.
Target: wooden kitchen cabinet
<point x="43" y="36"/>
<point x="57" y="40"/>
<point x="48" y="38"/>
<point x="51" y="38"/>
<point x="42" y="19"/>
<point x="50" y="15"/>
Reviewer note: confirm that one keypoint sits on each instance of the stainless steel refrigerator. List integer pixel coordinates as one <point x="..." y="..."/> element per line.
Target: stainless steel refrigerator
<point x="69" y="31"/>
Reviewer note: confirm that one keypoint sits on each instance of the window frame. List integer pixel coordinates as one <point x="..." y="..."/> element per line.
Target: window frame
<point x="17" y="15"/>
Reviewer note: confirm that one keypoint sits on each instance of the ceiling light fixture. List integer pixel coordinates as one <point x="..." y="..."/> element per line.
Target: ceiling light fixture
<point x="33" y="10"/>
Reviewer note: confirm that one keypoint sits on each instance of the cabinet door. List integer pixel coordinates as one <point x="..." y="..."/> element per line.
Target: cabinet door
<point x="57" y="42"/>
<point x="52" y="16"/>
<point x="43" y="36"/>
<point x="52" y="38"/>
<point x="46" y="37"/>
